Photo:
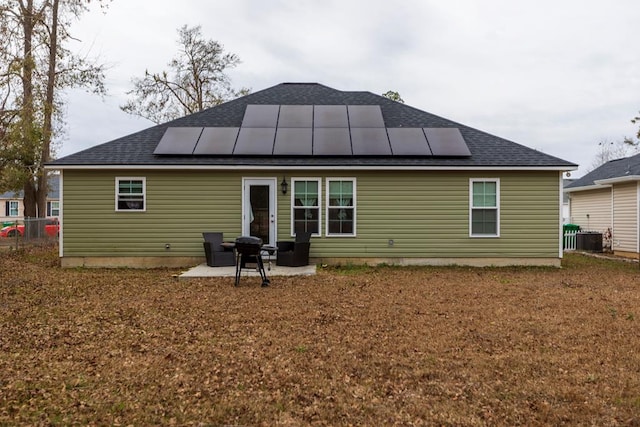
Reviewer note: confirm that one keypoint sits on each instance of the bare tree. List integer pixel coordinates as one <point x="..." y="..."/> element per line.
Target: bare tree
<point x="196" y="81"/>
<point x="610" y="150"/>
<point x="35" y="68"/>
<point x="636" y="120"/>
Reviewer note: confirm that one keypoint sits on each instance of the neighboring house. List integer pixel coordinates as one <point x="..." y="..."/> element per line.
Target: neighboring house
<point x="606" y="201"/>
<point x="12" y="203"/>
<point x="12" y="207"/>
<point x="376" y="181"/>
<point x="565" y="202"/>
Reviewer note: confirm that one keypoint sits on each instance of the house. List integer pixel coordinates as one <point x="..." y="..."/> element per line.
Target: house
<point x="606" y="201"/>
<point x="374" y="180"/>
<point x="12" y="204"/>
<point x="565" y="202"/>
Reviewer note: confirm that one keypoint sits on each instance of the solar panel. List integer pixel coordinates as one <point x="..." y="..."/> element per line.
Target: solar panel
<point x="408" y="142"/>
<point x="306" y="130"/>
<point x="255" y="141"/>
<point x="446" y="142"/>
<point x="365" y="116"/>
<point x="216" y="141"/>
<point x="331" y="142"/>
<point x="178" y="141"/>
<point x="330" y="116"/>
<point x="295" y="116"/>
<point x="293" y="141"/>
<point x="260" y="116"/>
<point x="370" y="142"/>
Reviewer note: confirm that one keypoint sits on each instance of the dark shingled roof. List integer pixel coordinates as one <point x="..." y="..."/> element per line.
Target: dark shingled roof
<point x="619" y="168"/>
<point x="52" y="193"/>
<point x="137" y="149"/>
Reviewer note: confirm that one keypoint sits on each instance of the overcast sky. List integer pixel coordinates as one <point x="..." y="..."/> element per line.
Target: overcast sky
<point x="557" y="76"/>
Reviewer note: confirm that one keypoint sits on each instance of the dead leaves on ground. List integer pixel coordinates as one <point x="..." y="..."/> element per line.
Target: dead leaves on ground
<point x="350" y="346"/>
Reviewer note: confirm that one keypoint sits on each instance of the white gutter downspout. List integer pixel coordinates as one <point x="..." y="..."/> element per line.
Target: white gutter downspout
<point x="613" y="218"/>
<point x="561" y="231"/>
<point x="638" y="220"/>
<point x="61" y="215"/>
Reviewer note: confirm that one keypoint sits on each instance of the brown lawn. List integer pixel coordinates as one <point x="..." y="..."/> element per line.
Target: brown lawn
<point x="350" y="346"/>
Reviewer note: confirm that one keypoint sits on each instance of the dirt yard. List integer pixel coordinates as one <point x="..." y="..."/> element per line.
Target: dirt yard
<point x="350" y="346"/>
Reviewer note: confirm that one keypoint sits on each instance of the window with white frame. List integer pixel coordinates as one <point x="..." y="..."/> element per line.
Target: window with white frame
<point x="53" y="208"/>
<point x="484" y="207"/>
<point x="341" y="207"/>
<point x="130" y="194"/>
<point x="12" y="208"/>
<point x="305" y="205"/>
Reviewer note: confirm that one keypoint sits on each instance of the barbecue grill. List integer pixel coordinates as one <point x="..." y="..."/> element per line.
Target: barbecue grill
<point x="248" y="250"/>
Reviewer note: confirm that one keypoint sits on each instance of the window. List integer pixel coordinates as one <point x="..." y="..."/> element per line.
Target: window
<point x="341" y="207"/>
<point x="130" y="194"/>
<point x="306" y="205"/>
<point x="53" y="208"/>
<point x="485" y="207"/>
<point x="12" y="208"/>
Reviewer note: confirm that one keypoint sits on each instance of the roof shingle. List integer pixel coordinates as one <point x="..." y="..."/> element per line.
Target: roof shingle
<point x="627" y="166"/>
<point x="137" y="149"/>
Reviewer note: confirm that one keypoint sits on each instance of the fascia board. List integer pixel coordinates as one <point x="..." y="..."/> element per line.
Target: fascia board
<point x="618" y="180"/>
<point x="585" y="188"/>
<point x="302" y="167"/>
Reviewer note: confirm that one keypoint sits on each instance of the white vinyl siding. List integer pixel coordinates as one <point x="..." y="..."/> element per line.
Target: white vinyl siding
<point x="625" y="217"/>
<point x="591" y="210"/>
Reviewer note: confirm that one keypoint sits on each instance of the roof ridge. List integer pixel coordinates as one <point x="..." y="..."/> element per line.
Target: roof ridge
<point x="302" y="83"/>
<point x="137" y="148"/>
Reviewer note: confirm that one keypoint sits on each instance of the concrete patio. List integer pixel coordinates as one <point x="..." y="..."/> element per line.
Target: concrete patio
<point x="203" y="270"/>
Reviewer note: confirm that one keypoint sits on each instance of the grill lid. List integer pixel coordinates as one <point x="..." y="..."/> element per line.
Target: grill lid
<point x="249" y="240"/>
<point x="248" y="245"/>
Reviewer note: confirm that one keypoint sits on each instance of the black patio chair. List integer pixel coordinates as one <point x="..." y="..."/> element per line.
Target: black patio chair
<point x="296" y="253"/>
<point x="216" y="254"/>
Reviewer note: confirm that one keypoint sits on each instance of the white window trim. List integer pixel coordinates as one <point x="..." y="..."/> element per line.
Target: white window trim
<point x="355" y="206"/>
<point x="17" y="203"/>
<point x="144" y="192"/>
<point x="51" y="209"/>
<point x="497" y="208"/>
<point x="292" y="203"/>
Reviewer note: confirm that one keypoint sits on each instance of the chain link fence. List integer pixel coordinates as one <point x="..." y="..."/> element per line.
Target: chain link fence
<point x="28" y="231"/>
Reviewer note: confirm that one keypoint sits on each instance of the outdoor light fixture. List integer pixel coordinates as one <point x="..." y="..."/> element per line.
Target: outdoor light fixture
<point x="284" y="185"/>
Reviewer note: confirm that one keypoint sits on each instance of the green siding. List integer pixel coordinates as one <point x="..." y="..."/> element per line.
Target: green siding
<point x="179" y="207"/>
<point x="425" y="213"/>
